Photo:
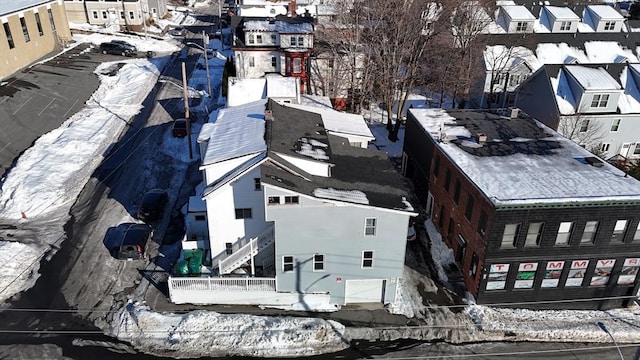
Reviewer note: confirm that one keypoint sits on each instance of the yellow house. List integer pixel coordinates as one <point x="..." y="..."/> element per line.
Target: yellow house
<point x="31" y="29"/>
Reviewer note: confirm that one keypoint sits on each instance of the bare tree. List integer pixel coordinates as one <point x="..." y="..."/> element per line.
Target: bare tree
<point x="500" y="62"/>
<point x="582" y="130"/>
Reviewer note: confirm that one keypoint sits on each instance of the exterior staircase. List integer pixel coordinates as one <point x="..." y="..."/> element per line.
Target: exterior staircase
<point x="243" y="251"/>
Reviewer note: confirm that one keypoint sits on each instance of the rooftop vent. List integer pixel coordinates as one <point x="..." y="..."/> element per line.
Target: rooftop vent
<point x="482" y="138"/>
<point x="594" y="161"/>
<point x="515" y="113"/>
<point x="268" y="115"/>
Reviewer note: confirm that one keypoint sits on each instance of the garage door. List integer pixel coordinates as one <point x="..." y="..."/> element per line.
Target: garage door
<point x="364" y="291"/>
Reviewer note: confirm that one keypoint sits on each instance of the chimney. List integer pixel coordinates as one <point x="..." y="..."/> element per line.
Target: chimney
<point x="482" y="138"/>
<point x="268" y="115"/>
<point x="515" y="113"/>
<point x="292" y="8"/>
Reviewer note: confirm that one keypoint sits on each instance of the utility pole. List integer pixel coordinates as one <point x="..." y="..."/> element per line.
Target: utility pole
<point x="186" y="107"/>
<point x="205" y="41"/>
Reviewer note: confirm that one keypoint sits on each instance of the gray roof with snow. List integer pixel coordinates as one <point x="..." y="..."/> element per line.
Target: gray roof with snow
<point x="593" y="78"/>
<point x="523" y="162"/>
<point x="354" y="171"/>
<point x="278" y="26"/>
<point x="11" y="6"/>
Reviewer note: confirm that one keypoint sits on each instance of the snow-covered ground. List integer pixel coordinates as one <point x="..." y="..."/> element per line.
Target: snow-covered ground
<point x="31" y="195"/>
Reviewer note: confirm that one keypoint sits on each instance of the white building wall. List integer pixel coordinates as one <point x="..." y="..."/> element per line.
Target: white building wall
<point x="587" y="98"/>
<point x="262" y="38"/>
<point x="558" y="23"/>
<point x="602" y="22"/>
<point x="238" y="194"/>
<point x="261" y="61"/>
<point x="213" y="172"/>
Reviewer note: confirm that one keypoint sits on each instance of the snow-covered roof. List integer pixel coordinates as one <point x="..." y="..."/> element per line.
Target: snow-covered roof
<point x="282" y="86"/>
<point x="339" y="122"/>
<point x="518" y="12"/>
<point x="502" y="58"/>
<point x="593" y="78"/>
<point x="523" y="162"/>
<point x="237" y="131"/>
<point x="243" y="91"/>
<point x="562" y="13"/>
<point x="560" y="53"/>
<point x="607" y="52"/>
<point x="629" y="102"/>
<point x="11" y="6"/>
<point x="605" y="12"/>
<point x="280" y="27"/>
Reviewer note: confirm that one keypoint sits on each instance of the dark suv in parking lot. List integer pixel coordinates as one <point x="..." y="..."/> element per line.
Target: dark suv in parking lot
<point x="118" y="48"/>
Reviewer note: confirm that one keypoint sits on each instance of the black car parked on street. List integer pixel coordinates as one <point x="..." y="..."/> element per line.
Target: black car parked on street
<point x="152" y="206"/>
<point x="117" y="48"/>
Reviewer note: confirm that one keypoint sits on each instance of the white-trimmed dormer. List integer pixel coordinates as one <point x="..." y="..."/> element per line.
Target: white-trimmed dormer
<point x="515" y="19"/>
<point x="594" y="89"/>
<point x="603" y="18"/>
<point x="559" y="19"/>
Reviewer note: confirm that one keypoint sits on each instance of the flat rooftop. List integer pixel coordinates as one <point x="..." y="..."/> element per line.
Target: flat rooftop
<point x="523" y="162"/>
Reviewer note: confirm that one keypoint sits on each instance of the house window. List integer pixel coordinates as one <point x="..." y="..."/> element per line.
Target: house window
<point x="25" y="31"/>
<point x="589" y="233"/>
<point x="300" y="41"/>
<point x="297" y="65"/>
<point x="273" y="39"/>
<point x="259" y="39"/>
<point x="469" y="210"/>
<point x="436" y="167"/>
<point x="243" y="213"/>
<point x="39" y="24"/>
<point x="615" y="124"/>
<point x="456" y="192"/>
<point x="256" y="184"/>
<point x="367" y="259"/>
<point x="609" y="25"/>
<point x="104" y="14"/>
<point x="318" y="262"/>
<point x="636" y="151"/>
<point x="565" y="25"/>
<point x="200" y="218"/>
<point x="274" y="61"/>
<point x="473" y="269"/>
<point x="619" y="230"/>
<point x="533" y="234"/>
<point x="274" y="200"/>
<point x="370" y="226"/>
<point x="564" y="233"/>
<point x="636" y="236"/>
<point x="521" y="26"/>
<point x="291" y="199"/>
<point x="584" y="125"/>
<point x="287" y="263"/>
<point x="53" y="23"/>
<point x="604" y="147"/>
<point x="482" y="224"/>
<point x="447" y="180"/>
<point x="131" y="15"/>
<point x="252" y="61"/>
<point x="7" y="30"/>
<point x="293" y="41"/>
<point x="95" y="14"/>
<point x="122" y="15"/>
<point x="599" y="101"/>
<point x="510" y="236"/>
<point x="251" y="41"/>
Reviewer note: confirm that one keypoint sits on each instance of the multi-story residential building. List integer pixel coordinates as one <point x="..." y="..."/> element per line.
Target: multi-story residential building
<point x="295" y="200"/>
<point x="30" y="30"/>
<point x="118" y="15"/>
<point x="274" y="46"/>
<point x="595" y="105"/>
<point x="533" y="219"/>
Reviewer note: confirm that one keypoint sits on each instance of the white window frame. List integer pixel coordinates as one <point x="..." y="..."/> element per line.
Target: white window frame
<point x="615" y="125"/>
<point x="619" y="230"/>
<point x="365" y="259"/>
<point x="251" y="40"/>
<point x="584" y="125"/>
<point x="564" y="233"/>
<point x="522" y="26"/>
<point x="273" y="200"/>
<point x="599" y="101"/>
<point x="285" y="263"/>
<point x="636" y="151"/>
<point x="132" y="15"/>
<point x="533" y="238"/>
<point x="609" y="25"/>
<point x="274" y="61"/>
<point x="370" y="229"/>
<point x="252" y="61"/>
<point x="293" y="41"/>
<point x="636" y="236"/>
<point x="292" y="200"/>
<point x="565" y="25"/>
<point x="511" y="236"/>
<point x="590" y="229"/>
<point x="321" y="262"/>
<point x="605" y="147"/>
<point x="258" y="39"/>
<point x="95" y="14"/>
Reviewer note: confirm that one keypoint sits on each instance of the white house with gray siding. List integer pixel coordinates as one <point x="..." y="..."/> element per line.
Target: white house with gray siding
<point x="300" y="207"/>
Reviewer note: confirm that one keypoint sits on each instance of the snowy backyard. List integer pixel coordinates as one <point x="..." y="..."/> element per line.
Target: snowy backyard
<point x="39" y="198"/>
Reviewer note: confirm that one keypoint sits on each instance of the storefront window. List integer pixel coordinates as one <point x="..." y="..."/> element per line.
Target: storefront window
<point x="497" y="276"/>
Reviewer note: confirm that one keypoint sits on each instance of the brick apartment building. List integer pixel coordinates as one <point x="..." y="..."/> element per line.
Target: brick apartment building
<point x="531" y="217"/>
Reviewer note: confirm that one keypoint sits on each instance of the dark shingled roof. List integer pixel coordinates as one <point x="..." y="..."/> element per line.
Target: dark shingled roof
<point x="352" y="168"/>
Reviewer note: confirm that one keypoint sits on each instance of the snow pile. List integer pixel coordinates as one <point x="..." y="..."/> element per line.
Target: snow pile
<point x="440" y="253"/>
<point x="206" y="333"/>
<point x="558" y="325"/>
<point x="408" y="300"/>
<point x="17" y="267"/>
